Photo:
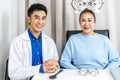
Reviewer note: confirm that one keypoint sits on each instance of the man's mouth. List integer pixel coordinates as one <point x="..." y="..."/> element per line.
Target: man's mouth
<point x="39" y="26"/>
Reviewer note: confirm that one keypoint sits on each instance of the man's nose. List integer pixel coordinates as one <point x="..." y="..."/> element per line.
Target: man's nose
<point x="40" y="21"/>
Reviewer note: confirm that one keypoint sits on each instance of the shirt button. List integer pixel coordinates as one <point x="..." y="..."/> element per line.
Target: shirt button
<point x="38" y="53"/>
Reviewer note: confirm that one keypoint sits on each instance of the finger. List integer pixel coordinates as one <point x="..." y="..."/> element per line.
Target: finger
<point x="51" y="70"/>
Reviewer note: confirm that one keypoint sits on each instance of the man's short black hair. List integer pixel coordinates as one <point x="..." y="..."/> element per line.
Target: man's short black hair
<point x="36" y="7"/>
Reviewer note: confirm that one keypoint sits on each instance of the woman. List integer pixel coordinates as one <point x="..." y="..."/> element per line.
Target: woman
<point x="89" y="49"/>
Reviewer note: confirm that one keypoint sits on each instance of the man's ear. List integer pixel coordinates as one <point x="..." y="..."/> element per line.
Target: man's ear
<point x="28" y="19"/>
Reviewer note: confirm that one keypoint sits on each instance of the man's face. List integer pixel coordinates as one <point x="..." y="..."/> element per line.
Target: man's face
<point x="37" y="21"/>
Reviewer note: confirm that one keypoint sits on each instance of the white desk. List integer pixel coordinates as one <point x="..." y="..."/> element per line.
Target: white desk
<point x="68" y="74"/>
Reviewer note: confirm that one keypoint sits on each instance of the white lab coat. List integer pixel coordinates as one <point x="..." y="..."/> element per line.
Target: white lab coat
<point x="20" y="56"/>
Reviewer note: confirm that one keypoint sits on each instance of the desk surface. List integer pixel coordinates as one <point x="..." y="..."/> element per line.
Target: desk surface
<point x="69" y="74"/>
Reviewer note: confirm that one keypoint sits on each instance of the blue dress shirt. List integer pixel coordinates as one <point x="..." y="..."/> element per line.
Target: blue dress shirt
<point x="36" y="45"/>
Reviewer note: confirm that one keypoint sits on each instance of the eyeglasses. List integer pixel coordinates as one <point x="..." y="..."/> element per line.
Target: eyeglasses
<point x="85" y="71"/>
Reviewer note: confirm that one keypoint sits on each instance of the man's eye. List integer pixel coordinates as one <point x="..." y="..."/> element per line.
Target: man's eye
<point x="43" y="18"/>
<point x="36" y="17"/>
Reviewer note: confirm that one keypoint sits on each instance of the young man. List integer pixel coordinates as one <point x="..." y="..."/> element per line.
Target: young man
<point x="33" y="52"/>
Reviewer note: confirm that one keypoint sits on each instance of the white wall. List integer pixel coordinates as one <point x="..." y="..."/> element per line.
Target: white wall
<point x="12" y="23"/>
<point x="117" y="14"/>
<point x="4" y="31"/>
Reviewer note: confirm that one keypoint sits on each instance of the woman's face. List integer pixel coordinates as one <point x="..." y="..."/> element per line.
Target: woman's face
<point x="87" y="23"/>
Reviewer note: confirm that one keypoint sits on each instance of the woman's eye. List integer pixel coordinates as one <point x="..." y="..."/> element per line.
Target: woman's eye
<point x="83" y="20"/>
<point x="89" y="20"/>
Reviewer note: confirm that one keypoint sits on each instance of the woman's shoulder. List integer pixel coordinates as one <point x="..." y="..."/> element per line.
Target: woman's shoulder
<point x="75" y="36"/>
<point x="102" y="36"/>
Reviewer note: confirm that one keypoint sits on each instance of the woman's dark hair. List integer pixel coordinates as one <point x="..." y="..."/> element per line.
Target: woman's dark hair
<point x="87" y="11"/>
<point x="36" y="7"/>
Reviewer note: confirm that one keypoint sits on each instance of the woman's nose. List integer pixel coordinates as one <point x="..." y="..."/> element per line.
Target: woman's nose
<point x="86" y="23"/>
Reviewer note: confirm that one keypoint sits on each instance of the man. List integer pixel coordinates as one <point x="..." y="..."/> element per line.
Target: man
<point x="33" y="52"/>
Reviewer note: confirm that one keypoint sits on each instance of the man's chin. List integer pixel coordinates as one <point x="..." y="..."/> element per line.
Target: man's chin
<point x="38" y="31"/>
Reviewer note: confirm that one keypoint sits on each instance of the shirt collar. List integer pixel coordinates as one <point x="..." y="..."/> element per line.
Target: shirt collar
<point x="32" y="36"/>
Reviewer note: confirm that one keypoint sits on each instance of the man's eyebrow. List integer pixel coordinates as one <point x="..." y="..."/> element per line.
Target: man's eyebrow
<point x="44" y="16"/>
<point x="39" y="16"/>
<point x="36" y="16"/>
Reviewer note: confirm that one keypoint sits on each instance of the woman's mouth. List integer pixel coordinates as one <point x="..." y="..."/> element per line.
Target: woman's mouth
<point x="87" y="28"/>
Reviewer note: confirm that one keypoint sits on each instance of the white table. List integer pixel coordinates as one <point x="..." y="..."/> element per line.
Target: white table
<point x="69" y="74"/>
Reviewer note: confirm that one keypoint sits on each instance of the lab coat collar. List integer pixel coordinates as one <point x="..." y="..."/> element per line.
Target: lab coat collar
<point x="26" y="36"/>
